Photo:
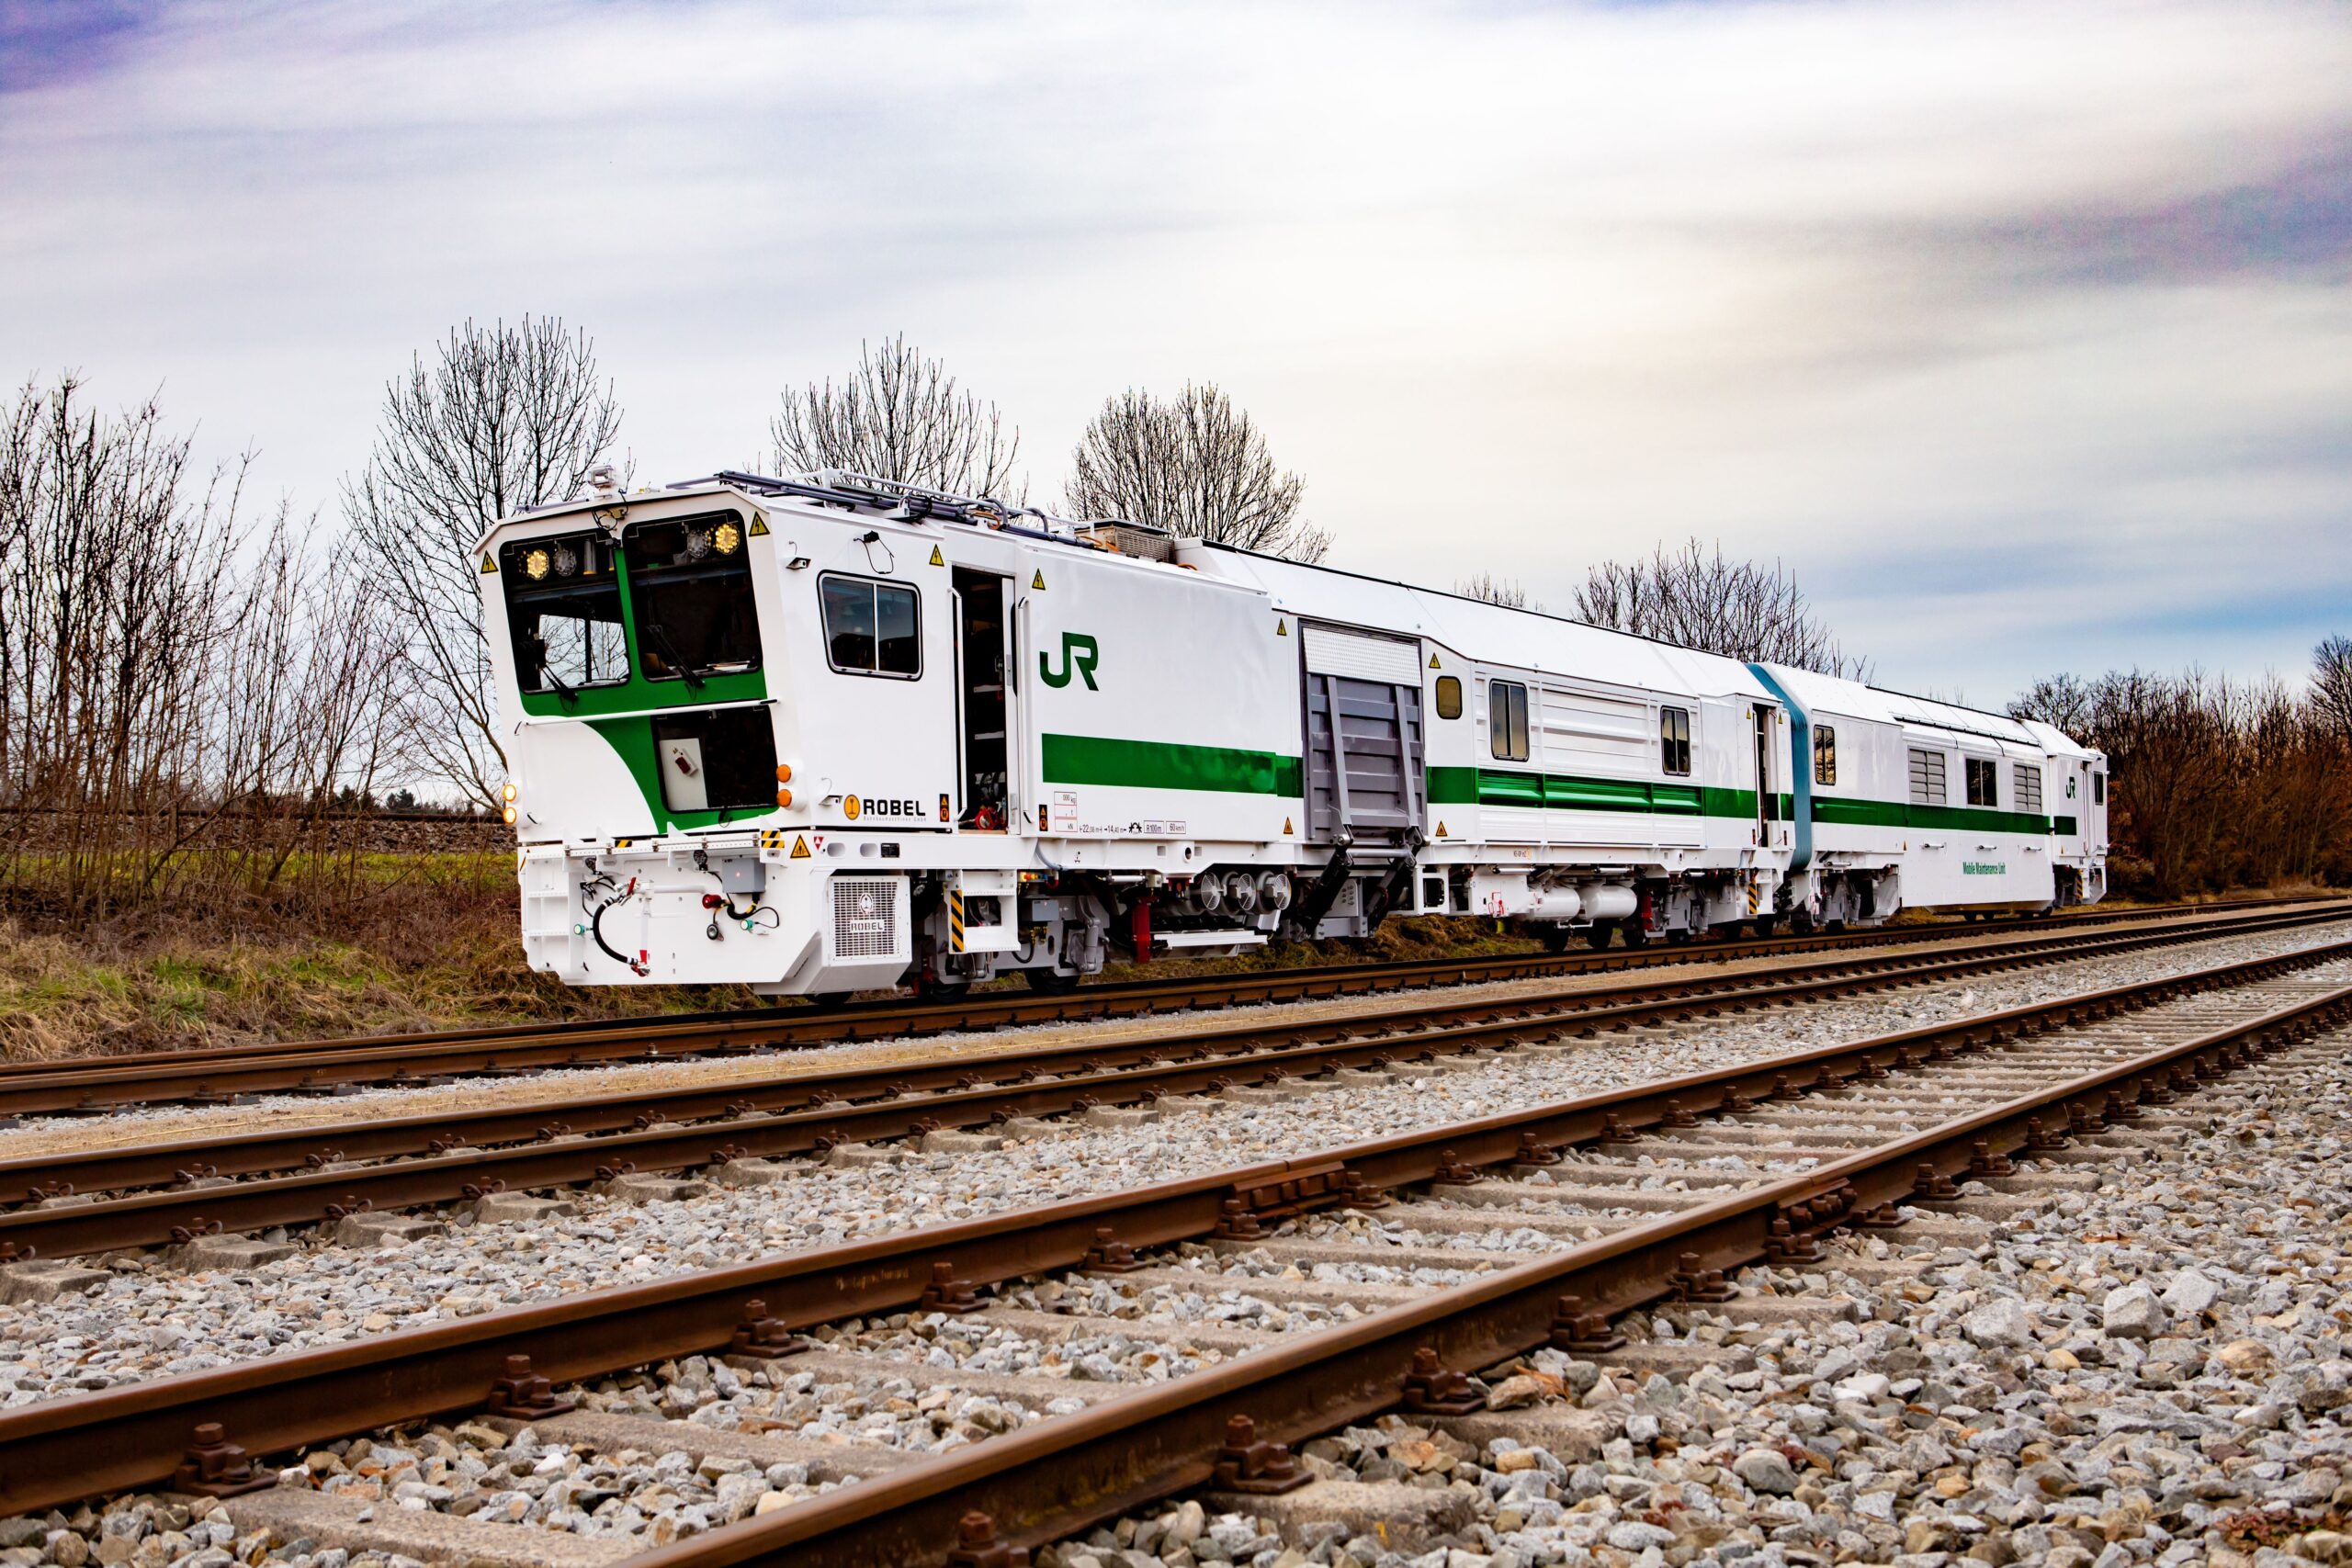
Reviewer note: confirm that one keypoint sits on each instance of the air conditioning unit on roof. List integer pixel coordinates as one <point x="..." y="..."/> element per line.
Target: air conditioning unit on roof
<point x="1141" y="540"/>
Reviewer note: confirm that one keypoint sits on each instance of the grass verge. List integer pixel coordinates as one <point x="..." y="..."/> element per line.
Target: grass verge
<point x="431" y="943"/>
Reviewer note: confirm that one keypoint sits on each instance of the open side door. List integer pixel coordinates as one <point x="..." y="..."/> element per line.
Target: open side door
<point x="1364" y="739"/>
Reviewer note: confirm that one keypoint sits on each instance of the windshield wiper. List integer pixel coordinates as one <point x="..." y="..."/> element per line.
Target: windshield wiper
<point x="658" y="636"/>
<point x="570" y="696"/>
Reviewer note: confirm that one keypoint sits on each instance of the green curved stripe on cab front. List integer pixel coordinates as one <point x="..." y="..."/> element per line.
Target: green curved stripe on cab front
<point x="631" y="737"/>
<point x="1157" y="764"/>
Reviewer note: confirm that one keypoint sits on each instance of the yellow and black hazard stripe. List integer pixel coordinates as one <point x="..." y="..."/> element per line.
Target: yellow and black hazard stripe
<point x="955" y="921"/>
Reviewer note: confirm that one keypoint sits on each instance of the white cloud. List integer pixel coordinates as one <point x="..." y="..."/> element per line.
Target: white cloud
<point x="1512" y="287"/>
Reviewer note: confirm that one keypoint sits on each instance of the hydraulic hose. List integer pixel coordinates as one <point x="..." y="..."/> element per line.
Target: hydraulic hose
<point x="597" y="929"/>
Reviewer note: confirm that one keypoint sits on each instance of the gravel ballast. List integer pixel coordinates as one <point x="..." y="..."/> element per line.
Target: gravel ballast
<point x="2144" y="1367"/>
<point x="150" y="1319"/>
<point x="2150" y="1372"/>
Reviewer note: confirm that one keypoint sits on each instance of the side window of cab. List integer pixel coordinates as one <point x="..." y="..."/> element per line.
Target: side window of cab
<point x="871" y="628"/>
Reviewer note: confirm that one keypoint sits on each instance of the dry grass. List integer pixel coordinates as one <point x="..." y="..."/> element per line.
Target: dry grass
<point x="433" y="946"/>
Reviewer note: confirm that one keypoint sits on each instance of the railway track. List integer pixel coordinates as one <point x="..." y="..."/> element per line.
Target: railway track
<point x="1856" y="1134"/>
<point x="362" y="1173"/>
<point x="215" y="1075"/>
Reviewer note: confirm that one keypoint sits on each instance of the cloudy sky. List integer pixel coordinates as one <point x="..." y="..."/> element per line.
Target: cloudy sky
<point x="2022" y="333"/>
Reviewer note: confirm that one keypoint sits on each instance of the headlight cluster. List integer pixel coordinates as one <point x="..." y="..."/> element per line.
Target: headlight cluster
<point x="509" y="794"/>
<point x="556" y="558"/>
<point x="725" y="538"/>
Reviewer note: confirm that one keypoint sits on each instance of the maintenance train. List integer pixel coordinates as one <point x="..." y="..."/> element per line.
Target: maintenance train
<point x="829" y="734"/>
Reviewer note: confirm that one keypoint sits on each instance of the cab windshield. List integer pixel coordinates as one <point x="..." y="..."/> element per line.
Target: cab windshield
<point x="563" y="611"/>
<point x="690" y="591"/>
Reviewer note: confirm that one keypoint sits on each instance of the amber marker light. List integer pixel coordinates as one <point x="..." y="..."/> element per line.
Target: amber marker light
<point x="784" y="772"/>
<point x="783" y="797"/>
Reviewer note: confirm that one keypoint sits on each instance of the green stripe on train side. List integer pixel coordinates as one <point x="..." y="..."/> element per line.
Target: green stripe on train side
<point x="1501" y="787"/>
<point x="1573" y="792"/>
<point x="1157" y="764"/>
<point x="1848" y="812"/>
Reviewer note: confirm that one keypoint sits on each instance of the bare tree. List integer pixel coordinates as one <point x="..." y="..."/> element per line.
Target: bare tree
<point x="1507" y="592"/>
<point x="2331" y="682"/>
<point x="898" y="416"/>
<point x="504" y="418"/>
<point x="2214" y="782"/>
<point x="2064" y="702"/>
<point x="112" y="613"/>
<point x="1698" y="599"/>
<point x="1197" y="466"/>
<point x="182" y="695"/>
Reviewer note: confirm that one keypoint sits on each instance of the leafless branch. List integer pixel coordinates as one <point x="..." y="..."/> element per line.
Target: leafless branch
<point x="182" y="696"/>
<point x="1697" y="598"/>
<point x="2331" y="682"/>
<point x="504" y="418"/>
<point x="1197" y="466"/>
<point x="1507" y="592"/>
<point x="900" y="416"/>
<point x="2215" y="782"/>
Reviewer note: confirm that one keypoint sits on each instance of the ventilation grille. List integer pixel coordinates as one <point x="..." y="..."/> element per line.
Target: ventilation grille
<point x="1384" y="659"/>
<point x="1927" y="778"/>
<point x="2028" y="776"/>
<point x="865" y="917"/>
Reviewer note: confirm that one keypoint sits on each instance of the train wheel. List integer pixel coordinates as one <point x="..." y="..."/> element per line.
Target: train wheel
<point x="827" y="1001"/>
<point x="1554" y="938"/>
<point x="1766" y="925"/>
<point x="1597" y="935"/>
<point x="1678" y="937"/>
<point x="933" y="990"/>
<point x="1636" y="933"/>
<point x="1050" y="982"/>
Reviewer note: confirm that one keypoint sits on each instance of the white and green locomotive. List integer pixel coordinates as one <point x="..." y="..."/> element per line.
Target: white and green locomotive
<point x="832" y="735"/>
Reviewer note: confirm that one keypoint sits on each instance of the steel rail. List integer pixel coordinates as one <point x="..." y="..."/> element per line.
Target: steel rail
<point x="559" y="1153"/>
<point x="68" y="1448"/>
<point x="144" y="1077"/>
<point x="84" y="1090"/>
<point x="1048" y="1480"/>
